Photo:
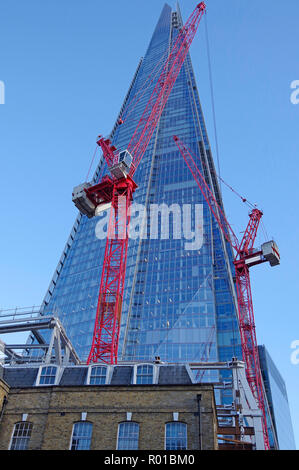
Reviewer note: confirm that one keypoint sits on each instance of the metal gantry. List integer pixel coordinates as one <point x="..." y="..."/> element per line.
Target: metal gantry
<point x="56" y="348"/>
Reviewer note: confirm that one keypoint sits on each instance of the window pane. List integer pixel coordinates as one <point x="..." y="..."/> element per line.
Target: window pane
<point x="98" y="375"/>
<point x="81" y="436"/>
<point x="144" y="374"/>
<point x="48" y="375"/>
<point x="21" y="436"/>
<point x="128" y="434"/>
<point x="176" y="436"/>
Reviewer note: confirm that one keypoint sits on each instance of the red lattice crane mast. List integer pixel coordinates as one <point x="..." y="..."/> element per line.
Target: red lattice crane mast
<point x="246" y="257"/>
<point x="119" y="187"/>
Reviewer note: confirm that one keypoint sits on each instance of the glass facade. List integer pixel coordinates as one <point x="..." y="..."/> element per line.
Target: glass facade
<point x="281" y="429"/>
<point x="128" y="436"/>
<point x="179" y="300"/>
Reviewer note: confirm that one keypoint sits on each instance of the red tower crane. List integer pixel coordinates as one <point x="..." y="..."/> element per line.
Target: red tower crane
<point x="120" y="186"/>
<point x="246" y="257"/>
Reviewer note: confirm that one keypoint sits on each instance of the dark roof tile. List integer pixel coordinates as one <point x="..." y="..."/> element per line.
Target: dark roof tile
<point x="122" y="375"/>
<point x="20" y="377"/>
<point x="177" y="374"/>
<point x="74" y="376"/>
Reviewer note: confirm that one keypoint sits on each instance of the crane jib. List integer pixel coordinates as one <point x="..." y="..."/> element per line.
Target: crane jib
<point x="122" y="166"/>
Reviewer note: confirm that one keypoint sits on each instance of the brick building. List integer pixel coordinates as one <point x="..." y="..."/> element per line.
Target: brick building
<point x="143" y="406"/>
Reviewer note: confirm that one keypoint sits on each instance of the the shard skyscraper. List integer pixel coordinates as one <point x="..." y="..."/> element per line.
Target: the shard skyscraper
<point x="179" y="302"/>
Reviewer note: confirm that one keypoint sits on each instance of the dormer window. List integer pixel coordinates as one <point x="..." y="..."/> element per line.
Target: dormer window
<point x="98" y="375"/>
<point x="47" y="375"/>
<point x="144" y="374"/>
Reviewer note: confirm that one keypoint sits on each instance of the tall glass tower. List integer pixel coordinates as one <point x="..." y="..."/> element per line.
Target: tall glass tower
<point x="179" y="301"/>
<point x="281" y="431"/>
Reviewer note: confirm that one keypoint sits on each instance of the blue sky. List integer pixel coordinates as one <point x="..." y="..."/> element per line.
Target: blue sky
<point x="67" y="65"/>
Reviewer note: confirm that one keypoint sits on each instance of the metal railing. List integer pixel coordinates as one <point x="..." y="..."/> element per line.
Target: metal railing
<point x="15" y="313"/>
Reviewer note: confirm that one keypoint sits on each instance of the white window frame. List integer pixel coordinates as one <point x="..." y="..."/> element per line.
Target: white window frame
<point x="171" y="422"/>
<point x="13" y="432"/>
<point x="155" y="372"/>
<point x="76" y="422"/>
<point x="57" y="376"/>
<point x="125" y="422"/>
<point x="109" y="371"/>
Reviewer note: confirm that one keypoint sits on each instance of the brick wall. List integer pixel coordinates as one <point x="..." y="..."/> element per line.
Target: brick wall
<point x="53" y="410"/>
<point x="4" y="390"/>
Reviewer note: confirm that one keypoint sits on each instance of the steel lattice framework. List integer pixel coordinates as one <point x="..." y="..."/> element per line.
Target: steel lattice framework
<point x="107" y="323"/>
<point x="244" y="253"/>
<point x="106" y="332"/>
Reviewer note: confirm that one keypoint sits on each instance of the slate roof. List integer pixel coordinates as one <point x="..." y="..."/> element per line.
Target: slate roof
<point x="20" y="377"/>
<point x="74" y="376"/>
<point x="122" y="375"/>
<point x="174" y="375"/>
<point x="24" y="377"/>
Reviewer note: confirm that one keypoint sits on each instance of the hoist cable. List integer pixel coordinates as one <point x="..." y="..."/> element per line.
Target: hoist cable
<point x="212" y="94"/>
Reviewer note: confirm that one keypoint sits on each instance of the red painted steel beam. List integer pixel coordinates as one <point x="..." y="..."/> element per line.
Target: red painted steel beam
<point x="108" y="315"/>
<point x="162" y="90"/>
<point x="158" y="99"/>
<point x="208" y="195"/>
<point x="244" y="295"/>
<point x="247" y="242"/>
<point x="107" y="324"/>
<point x="249" y="341"/>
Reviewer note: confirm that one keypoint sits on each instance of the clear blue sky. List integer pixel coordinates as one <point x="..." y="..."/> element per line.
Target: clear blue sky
<point x="67" y="65"/>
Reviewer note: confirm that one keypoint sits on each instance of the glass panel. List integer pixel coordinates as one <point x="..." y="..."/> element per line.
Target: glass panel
<point x="21" y="436"/>
<point x="128" y="434"/>
<point x="98" y="376"/>
<point x="144" y="374"/>
<point x="176" y="436"/>
<point x="48" y="375"/>
<point x="81" y="436"/>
